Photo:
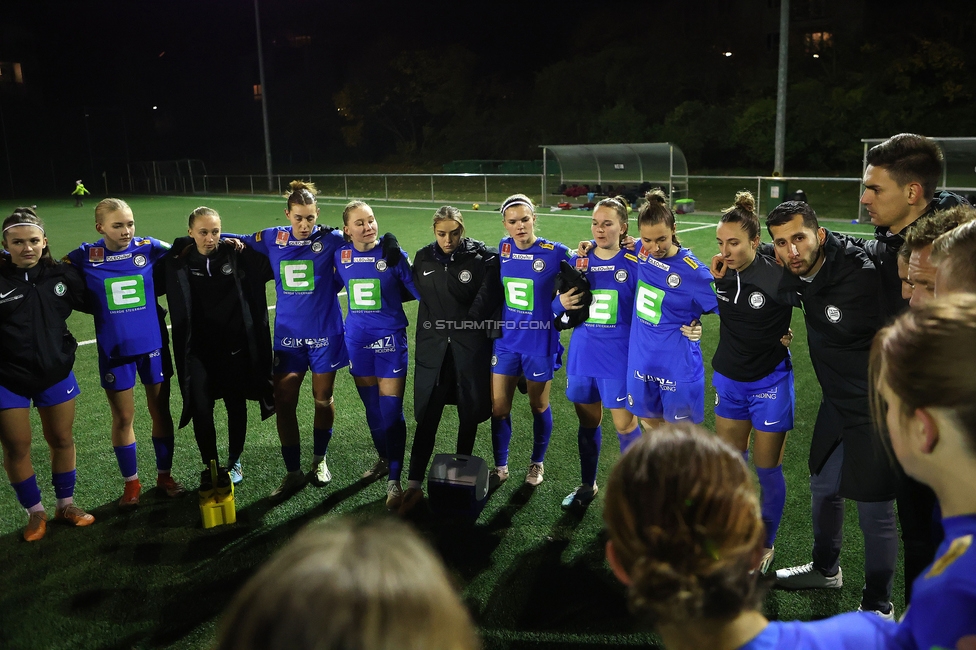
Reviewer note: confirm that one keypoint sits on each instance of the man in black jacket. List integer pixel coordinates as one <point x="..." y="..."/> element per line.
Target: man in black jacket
<point x="900" y="183"/>
<point x="839" y="287"/>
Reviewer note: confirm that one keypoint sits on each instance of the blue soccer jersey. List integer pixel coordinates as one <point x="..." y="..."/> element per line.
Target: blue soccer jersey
<point x="943" y="608"/>
<point x="122" y="294"/>
<point x="600" y="343"/>
<point x="529" y="283"/>
<point x="374" y="292"/>
<point x="307" y="309"/>
<point x="670" y="293"/>
<point x="851" y="631"/>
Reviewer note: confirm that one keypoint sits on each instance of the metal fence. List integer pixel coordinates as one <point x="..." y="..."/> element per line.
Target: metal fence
<point x="475" y="188"/>
<point x="832" y="197"/>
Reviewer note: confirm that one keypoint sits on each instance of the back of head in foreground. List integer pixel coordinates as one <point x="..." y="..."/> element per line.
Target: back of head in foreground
<point x="350" y="585"/>
<point x="925" y="392"/>
<point x="685" y="529"/>
<point x="924" y="389"/>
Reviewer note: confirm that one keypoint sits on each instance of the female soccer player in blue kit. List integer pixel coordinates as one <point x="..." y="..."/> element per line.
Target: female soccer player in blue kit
<point x="119" y="276"/>
<point x="594" y="376"/>
<point x="686" y="539"/>
<point x="307" y="331"/>
<point x="753" y="373"/>
<point x="925" y="390"/>
<point x="35" y="365"/>
<point x="665" y="372"/>
<point x="376" y="338"/>
<point x="529" y="344"/>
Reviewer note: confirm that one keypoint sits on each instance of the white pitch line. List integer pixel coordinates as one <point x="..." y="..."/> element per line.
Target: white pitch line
<point x="169" y="327"/>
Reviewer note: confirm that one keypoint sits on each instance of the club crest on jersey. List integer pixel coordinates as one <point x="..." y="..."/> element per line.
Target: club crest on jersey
<point x="674" y="280"/>
<point x="494" y="360"/>
<point x="833" y="314"/>
<point x="630" y="399"/>
<point x="60" y="289"/>
<point x="346" y="256"/>
<point x="464" y="276"/>
<point x="506" y="250"/>
<point x="538" y="266"/>
<point x="621" y="275"/>
<point x="109" y="378"/>
<point x="139" y="260"/>
<point x="582" y="263"/>
<point x="282" y="238"/>
<point x="381" y="265"/>
<point x="757" y="300"/>
<point x="96" y="254"/>
<point x="317" y="247"/>
<point x="716" y="399"/>
<point x="226" y="269"/>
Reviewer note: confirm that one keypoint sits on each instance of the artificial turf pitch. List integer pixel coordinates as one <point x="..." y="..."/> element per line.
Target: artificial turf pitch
<point x="532" y="575"/>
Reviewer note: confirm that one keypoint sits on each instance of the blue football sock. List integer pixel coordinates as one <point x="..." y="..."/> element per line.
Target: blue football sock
<point x="126" y="455"/>
<point x="391" y="407"/>
<point x="629" y="438"/>
<point x="292" y="455"/>
<point x="501" y="436"/>
<point x="541" y="432"/>
<point x="64" y="484"/>
<point x="374" y="417"/>
<point x="164" y="453"/>
<point x="590" y="440"/>
<point x="773" y="486"/>
<point x="320" y="441"/>
<point x="28" y="494"/>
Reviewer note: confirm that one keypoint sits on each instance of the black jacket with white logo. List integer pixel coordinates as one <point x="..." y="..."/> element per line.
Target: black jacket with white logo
<point x="458" y="293"/>
<point x="754" y="317"/>
<point x="844" y="308"/>
<point x="36" y="348"/>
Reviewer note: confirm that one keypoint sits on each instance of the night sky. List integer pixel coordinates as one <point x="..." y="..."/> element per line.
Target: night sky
<point x="527" y="72"/>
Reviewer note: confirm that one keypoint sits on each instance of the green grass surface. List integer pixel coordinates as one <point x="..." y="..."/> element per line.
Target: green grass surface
<point x="532" y="575"/>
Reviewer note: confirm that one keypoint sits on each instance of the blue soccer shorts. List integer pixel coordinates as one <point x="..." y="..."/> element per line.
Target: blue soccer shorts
<point x="322" y="356"/>
<point x="385" y="357"/>
<point x="674" y="401"/>
<point x="63" y="391"/>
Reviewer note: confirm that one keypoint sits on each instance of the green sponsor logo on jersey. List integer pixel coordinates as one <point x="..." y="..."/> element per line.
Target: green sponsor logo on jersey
<point x="297" y="276"/>
<point x="364" y="294"/>
<point x="648" y="301"/>
<point x="519" y="294"/>
<point x="127" y="292"/>
<point x="603" y="309"/>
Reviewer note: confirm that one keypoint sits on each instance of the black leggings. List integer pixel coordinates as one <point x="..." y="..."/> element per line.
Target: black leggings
<point x="423" y="440"/>
<point x="204" y="428"/>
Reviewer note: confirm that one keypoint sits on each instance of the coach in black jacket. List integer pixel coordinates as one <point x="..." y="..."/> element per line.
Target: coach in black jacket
<point x="459" y="287"/>
<point x="221" y="337"/>
<point x="839" y="287"/>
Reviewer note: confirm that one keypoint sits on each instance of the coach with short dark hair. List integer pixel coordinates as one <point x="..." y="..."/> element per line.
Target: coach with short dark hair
<point x="839" y="287"/>
<point x="900" y="183"/>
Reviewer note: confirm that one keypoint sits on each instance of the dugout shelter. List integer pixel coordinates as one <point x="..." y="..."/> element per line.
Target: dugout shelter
<point x="631" y="165"/>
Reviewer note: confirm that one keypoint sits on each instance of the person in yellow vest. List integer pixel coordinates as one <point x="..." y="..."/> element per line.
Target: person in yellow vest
<point x="79" y="192"/>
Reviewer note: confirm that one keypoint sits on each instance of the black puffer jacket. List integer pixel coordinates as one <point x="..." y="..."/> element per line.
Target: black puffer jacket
<point x="458" y="293"/>
<point x="250" y="271"/>
<point x="36" y="348"/>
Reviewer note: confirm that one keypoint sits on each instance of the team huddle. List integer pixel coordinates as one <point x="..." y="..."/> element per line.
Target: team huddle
<point x="491" y="320"/>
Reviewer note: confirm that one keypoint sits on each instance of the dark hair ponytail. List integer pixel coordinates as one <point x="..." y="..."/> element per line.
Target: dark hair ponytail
<point x="656" y="211"/>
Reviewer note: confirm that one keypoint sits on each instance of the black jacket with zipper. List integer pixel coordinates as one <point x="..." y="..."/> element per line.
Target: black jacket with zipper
<point x="458" y="294"/>
<point x="250" y="271"/>
<point x="36" y="348"/>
